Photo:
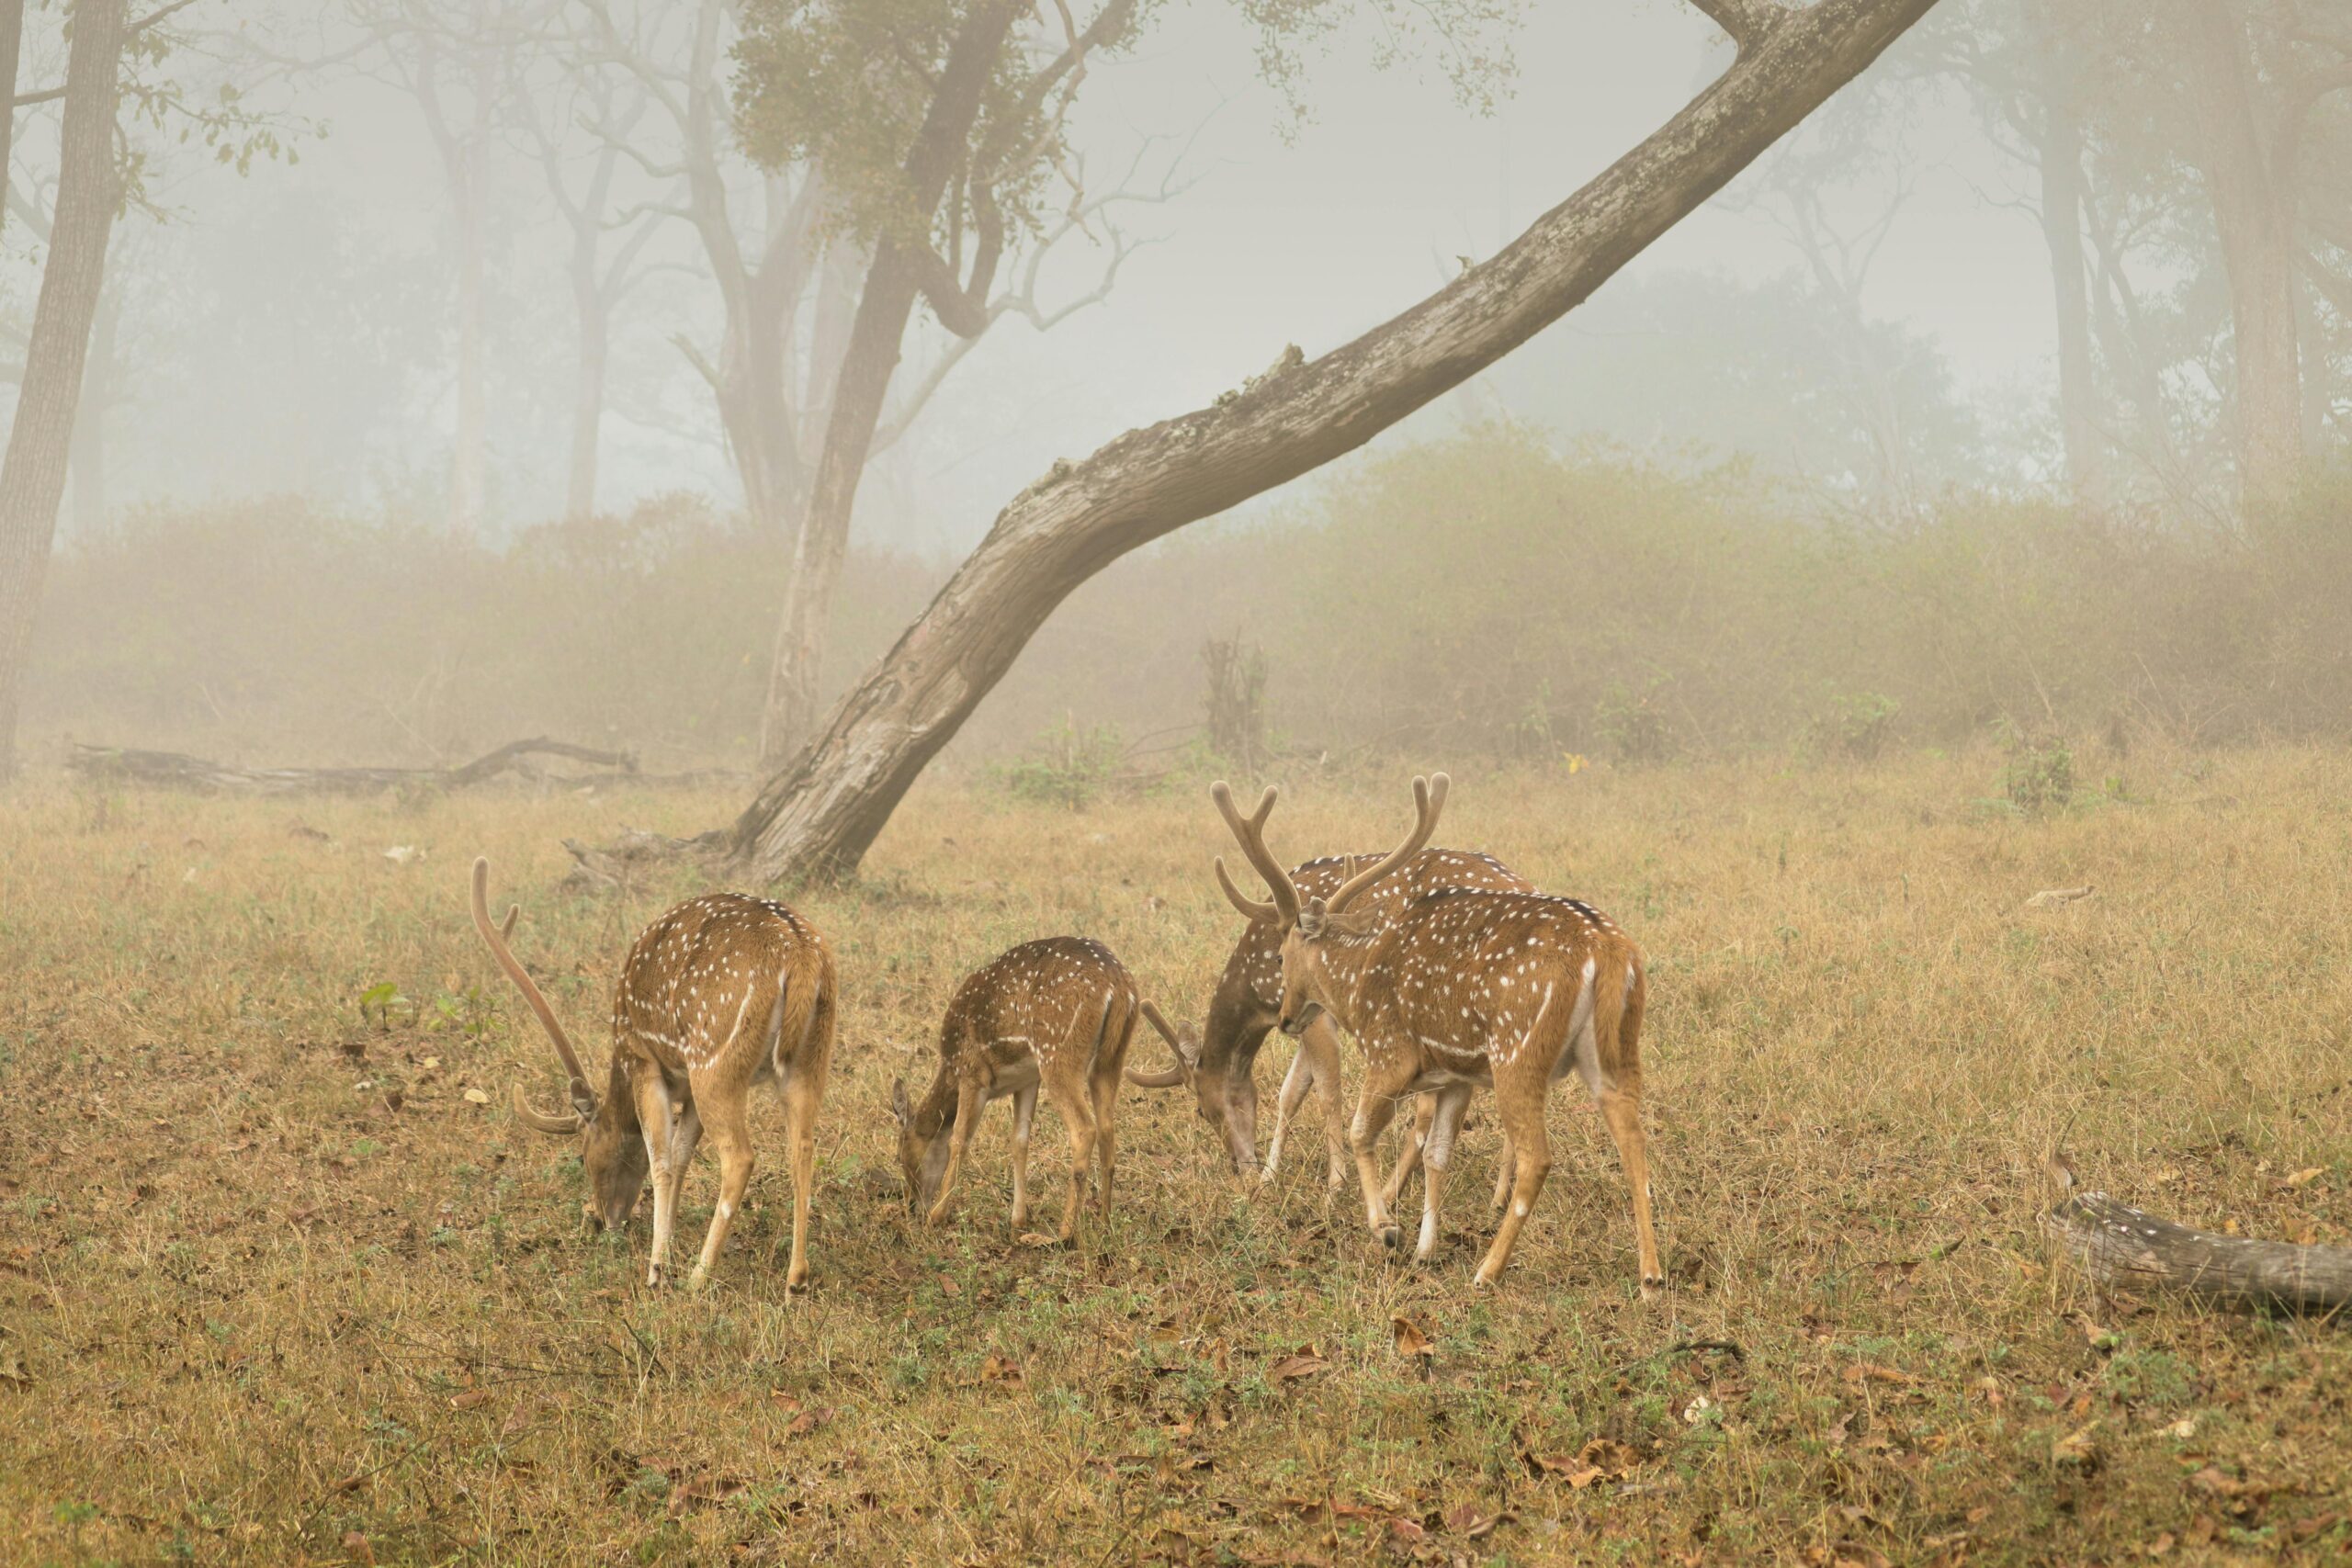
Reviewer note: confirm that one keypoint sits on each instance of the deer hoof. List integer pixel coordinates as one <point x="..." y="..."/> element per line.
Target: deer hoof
<point x="1653" y="1288"/>
<point x="1391" y="1237"/>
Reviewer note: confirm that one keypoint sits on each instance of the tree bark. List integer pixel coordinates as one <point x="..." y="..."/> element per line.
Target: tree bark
<point x="32" y="476"/>
<point x="2061" y="160"/>
<point x="868" y="362"/>
<point x="2119" y="1245"/>
<point x="12" y="38"/>
<point x="588" y="402"/>
<point x="87" y="466"/>
<point x="819" y="815"/>
<point x="469" y="463"/>
<point x="2254" y="213"/>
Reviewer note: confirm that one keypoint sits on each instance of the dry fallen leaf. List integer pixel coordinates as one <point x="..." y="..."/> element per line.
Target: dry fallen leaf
<point x="472" y="1399"/>
<point x="2306" y="1178"/>
<point x="403" y="854"/>
<point x="1038" y="1238"/>
<point x="1001" y="1369"/>
<point x="2051" y="897"/>
<point x="1410" y="1338"/>
<point x="1305" y="1363"/>
<point x="1470" y="1521"/>
<point x="1871" y="1371"/>
<point x="476" y="1097"/>
<point x="356" y="1545"/>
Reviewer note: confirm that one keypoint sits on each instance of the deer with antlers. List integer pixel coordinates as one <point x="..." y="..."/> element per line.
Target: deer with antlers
<point x="724" y="992"/>
<point x="1057" y="1014"/>
<point x="1216" y="1059"/>
<point x="1463" y="989"/>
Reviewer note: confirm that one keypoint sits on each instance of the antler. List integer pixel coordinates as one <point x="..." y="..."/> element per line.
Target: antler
<point x="1429" y="799"/>
<point x="584" y="1098"/>
<point x="1250" y="831"/>
<point x="1169" y="1077"/>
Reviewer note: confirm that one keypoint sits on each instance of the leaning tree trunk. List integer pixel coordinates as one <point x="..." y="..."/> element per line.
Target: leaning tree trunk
<point x="819" y="814"/>
<point x="32" y="476"/>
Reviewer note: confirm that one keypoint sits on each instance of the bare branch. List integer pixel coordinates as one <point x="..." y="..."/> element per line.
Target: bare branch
<point x="152" y="18"/>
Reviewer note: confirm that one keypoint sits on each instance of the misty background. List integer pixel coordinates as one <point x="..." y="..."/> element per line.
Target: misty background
<point x="1800" y="474"/>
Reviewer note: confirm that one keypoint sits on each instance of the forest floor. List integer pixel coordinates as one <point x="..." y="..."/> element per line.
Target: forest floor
<point x="276" y="1286"/>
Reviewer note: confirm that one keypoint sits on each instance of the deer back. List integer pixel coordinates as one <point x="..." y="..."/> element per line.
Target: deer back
<point x="724" y="982"/>
<point x="1044" y="998"/>
<point x="1464" y="970"/>
<point x="1249" y="991"/>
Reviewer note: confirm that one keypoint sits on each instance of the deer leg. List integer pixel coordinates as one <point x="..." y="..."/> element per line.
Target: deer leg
<point x="804" y="1091"/>
<point x="1621" y="1107"/>
<point x="730" y="1134"/>
<point x="1437" y="1157"/>
<point x="1078" y="1116"/>
<point x="1295" y="1083"/>
<point x="1024" y="1113"/>
<point x="1388" y="1073"/>
<point x="1320" y="1046"/>
<point x="1519" y="1105"/>
<point x="1424" y="1109"/>
<point x="1503" y="1175"/>
<point x="1106" y="1142"/>
<point x="969" y="1097"/>
<point x="664" y="1131"/>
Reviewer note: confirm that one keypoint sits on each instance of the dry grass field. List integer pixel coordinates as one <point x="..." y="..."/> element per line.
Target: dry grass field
<point x="276" y="1288"/>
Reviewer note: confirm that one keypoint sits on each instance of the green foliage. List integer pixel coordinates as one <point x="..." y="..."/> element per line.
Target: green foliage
<point x="2039" y="778"/>
<point x="1633" y="724"/>
<point x="1853" y="725"/>
<point x="1067" y="767"/>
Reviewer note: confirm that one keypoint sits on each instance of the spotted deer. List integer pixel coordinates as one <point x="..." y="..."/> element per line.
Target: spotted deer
<point x="724" y="992"/>
<point x="1057" y="1014"/>
<point x="1218" y="1058"/>
<point x="1464" y="988"/>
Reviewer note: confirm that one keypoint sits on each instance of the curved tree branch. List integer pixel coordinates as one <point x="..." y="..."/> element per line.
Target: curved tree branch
<point x="818" y="814"/>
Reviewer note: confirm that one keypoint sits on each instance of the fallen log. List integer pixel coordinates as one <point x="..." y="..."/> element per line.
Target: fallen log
<point x="173" y="769"/>
<point x="2118" y="1245"/>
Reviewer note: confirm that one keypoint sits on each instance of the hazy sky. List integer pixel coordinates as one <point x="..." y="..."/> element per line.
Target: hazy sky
<point x="1306" y="242"/>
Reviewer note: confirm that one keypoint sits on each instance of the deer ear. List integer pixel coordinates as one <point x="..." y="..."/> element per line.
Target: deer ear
<point x="1188" y="1044"/>
<point x="899" y="1107"/>
<point x="1310" y="918"/>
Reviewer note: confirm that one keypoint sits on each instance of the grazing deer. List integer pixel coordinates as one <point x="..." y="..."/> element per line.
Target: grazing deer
<point x="1218" y="1059"/>
<point x="1464" y="988"/>
<point x="723" y="992"/>
<point x="1057" y="1013"/>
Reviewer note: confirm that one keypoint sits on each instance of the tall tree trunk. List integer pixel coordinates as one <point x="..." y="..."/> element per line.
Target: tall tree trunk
<point x="819" y="815"/>
<point x="469" y="461"/>
<point x="12" y="38"/>
<point x="2254" y="213"/>
<point x="588" y="402"/>
<point x="87" y="466"/>
<point x="790" y="713"/>
<point x="32" y="476"/>
<point x="790" y="716"/>
<point x="2061" y="157"/>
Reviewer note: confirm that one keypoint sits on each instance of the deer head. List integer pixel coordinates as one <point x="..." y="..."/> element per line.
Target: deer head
<point x="922" y="1150"/>
<point x="612" y="1152"/>
<point x="1309" y="927"/>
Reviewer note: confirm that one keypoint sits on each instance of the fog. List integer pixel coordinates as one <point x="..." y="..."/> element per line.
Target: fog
<point x="337" y="358"/>
<point x="291" y="330"/>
